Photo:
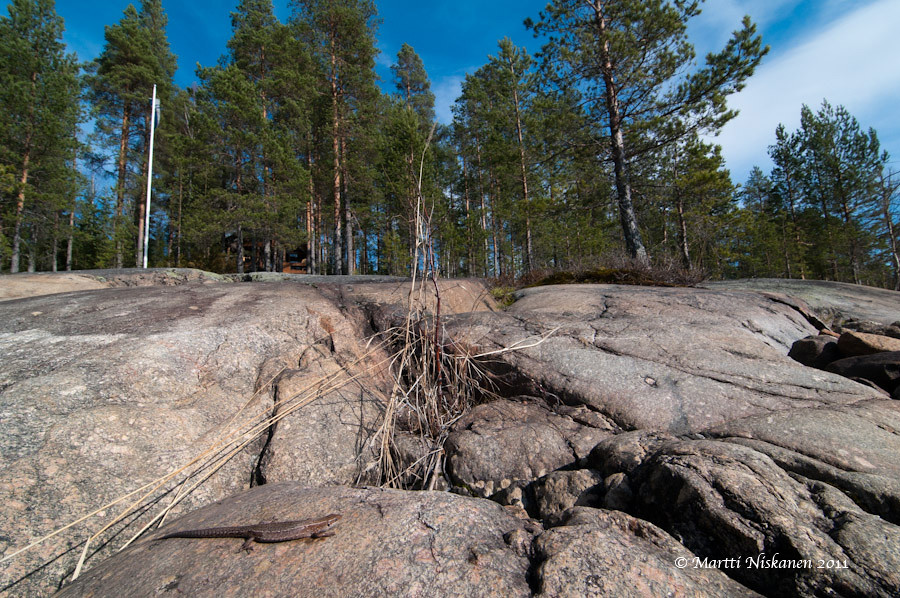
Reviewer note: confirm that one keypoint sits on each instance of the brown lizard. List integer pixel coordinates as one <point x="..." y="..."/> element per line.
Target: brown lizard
<point x="279" y="531"/>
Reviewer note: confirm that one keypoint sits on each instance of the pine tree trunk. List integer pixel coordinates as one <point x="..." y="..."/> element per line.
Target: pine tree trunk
<point x="364" y="254"/>
<point x="830" y="239"/>
<point x="495" y="227"/>
<point x="311" y="231"/>
<point x="120" y="188"/>
<point x="180" y="203"/>
<point x="633" y="242"/>
<point x="240" y="250"/>
<point x="71" y="237"/>
<point x="338" y="248"/>
<point x="785" y="247"/>
<point x="20" y="212"/>
<point x="32" y="248"/>
<point x="54" y="250"/>
<point x="854" y="250"/>
<point x="470" y="249"/>
<point x="310" y="245"/>
<point x="682" y="234"/>
<point x="796" y="229"/>
<point x="484" y="227"/>
<point x="23" y="180"/>
<point x="141" y="209"/>
<point x="350" y="260"/>
<point x="892" y="233"/>
<point x="529" y="250"/>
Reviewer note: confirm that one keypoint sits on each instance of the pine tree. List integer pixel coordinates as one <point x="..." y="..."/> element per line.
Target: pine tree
<point x="413" y="84"/>
<point x="252" y="52"/>
<point x="760" y="210"/>
<point x="162" y="63"/>
<point x="341" y="34"/>
<point x="841" y="166"/>
<point x="695" y="194"/>
<point x="410" y="121"/>
<point x="886" y="213"/>
<point x="38" y="125"/>
<point x="515" y="66"/>
<point x="136" y="56"/>
<point x="787" y="180"/>
<point x="629" y="58"/>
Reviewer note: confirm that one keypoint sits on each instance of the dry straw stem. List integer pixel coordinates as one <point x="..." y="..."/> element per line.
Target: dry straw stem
<point x="516" y="346"/>
<point x="428" y="386"/>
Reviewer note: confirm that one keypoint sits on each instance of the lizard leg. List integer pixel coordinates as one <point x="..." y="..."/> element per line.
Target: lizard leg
<point x="248" y="544"/>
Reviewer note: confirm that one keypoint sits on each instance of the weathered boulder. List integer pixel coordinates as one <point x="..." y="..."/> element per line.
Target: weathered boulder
<point x="387" y="543"/>
<point x="502" y="442"/>
<point x="881" y="368"/>
<point x="851" y="447"/>
<point x="606" y="553"/>
<point x="789" y="535"/>
<point x="834" y="302"/>
<point x="326" y="441"/>
<point x="815" y="351"/>
<point x="104" y="391"/>
<point x="852" y="344"/>
<point x="561" y="490"/>
<point x="654" y="358"/>
<point x="869" y="327"/>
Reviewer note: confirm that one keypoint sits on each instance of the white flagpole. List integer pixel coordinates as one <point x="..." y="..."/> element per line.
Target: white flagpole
<point x="153" y="110"/>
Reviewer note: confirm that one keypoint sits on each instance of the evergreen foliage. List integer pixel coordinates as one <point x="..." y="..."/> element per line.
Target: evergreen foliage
<point x="827" y="211"/>
<point x="628" y="59"/>
<point x="39" y="92"/>
<point x="287" y="156"/>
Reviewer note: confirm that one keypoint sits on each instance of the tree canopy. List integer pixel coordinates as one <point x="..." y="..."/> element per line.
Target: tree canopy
<point x="289" y="154"/>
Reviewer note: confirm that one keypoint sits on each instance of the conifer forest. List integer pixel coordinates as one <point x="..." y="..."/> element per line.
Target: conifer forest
<point x="597" y="147"/>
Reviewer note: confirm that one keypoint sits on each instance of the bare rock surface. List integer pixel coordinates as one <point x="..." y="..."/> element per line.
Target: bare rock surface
<point x="677" y="408"/>
<point x="390" y="542"/>
<point x="387" y="543"/>
<point x="637" y="559"/>
<point x="851" y="447"/>
<point x="103" y="391"/>
<point x="561" y="490"/>
<point x="883" y="369"/>
<point x="502" y="442"/>
<point x="16" y="286"/>
<point x="729" y="501"/>
<point x="853" y="343"/>
<point x="678" y="360"/>
<point x="326" y="441"/>
<point x="832" y="301"/>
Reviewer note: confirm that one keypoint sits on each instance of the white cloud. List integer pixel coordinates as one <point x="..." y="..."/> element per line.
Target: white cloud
<point x="851" y="62"/>
<point x="383" y="58"/>
<point x="446" y="90"/>
<point x="726" y="15"/>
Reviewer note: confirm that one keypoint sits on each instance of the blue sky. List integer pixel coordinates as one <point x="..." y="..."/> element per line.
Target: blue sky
<point x="843" y="50"/>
